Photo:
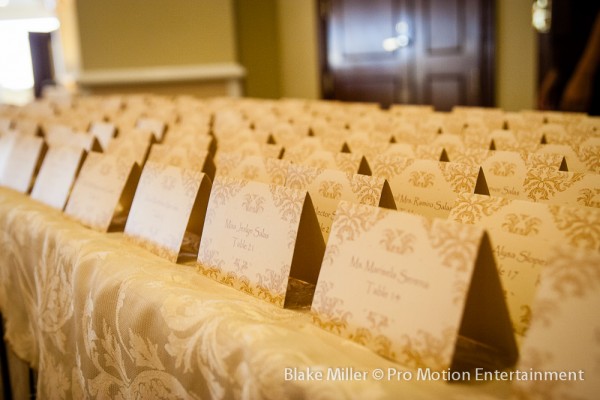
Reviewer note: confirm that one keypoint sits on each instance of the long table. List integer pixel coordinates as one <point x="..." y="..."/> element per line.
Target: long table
<point x="97" y="317"/>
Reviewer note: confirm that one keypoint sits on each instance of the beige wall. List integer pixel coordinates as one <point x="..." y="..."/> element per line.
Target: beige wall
<point x="298" y="49"/>
<point x="516" y="56"/>
<point x="127" y="34"/>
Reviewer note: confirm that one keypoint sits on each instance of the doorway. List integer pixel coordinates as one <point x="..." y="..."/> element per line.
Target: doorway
<point x="436" y="52"/>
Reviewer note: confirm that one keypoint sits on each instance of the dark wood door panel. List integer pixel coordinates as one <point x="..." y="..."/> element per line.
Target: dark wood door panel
<point x="444" y="56"/>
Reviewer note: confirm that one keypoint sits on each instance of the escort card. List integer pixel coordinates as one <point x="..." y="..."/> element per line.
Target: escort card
<point x="349" y="163"/>
<point x="23" y="162"/>
<point x="197" y="141"/>
<point x="521" y="233"/>
<point x="428" y="187"/>
<point x="257" y="237"/>
<point x="328" y="187"/>
<point x="254" y="168"/>
<point x="103" y="192"/>
<point x="505" y="171"/>
<point x="424" y="152"/>
<point x="104" y="131"/>
<point x="422" y="292"/>
<point x="574" y="164"/>
<point x="252" y="149"/>
<point x="183" y="157"/>
<point x="560" y="187"/>
<point x="308" y="146"/>
<point x="57" y="174"/>
<point x="132" y="148"/>
<point x="169" y="202"/>
<point x="560" y="353"/>
<point x="155" y="126"/>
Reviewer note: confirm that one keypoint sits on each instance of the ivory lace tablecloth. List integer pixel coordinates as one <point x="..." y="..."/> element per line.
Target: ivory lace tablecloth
<point x="101" y="318"/>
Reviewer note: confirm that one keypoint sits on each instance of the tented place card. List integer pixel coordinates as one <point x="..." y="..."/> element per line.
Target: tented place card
<point x="349" y="163"/>
<point x="304" y="148"/>
<point x="197" y="141"/>
<point x="132" y="148"/>
<point x="574" y="164"/>
<point x="254" y="168"/>
<point x="560" y="187"/>
<point x="103" y="191"/>
<point x="23" y="162"/>
<point x="561" y="349"/>
<point x="505" y="171"/>
<point x="169" y="202"/>
<point x="258" y="237"/>
<point x="328" y="187"/>
<point x="104" y="131"/>
<point x="424" y="152"/>
<point x="57" y="174"/>
<point x="422" y="292"/>
<point x="155" y="126"/>
<point x="428" y="187"/>
<point x="183" y="157"/>
<point x="521" y="233"/>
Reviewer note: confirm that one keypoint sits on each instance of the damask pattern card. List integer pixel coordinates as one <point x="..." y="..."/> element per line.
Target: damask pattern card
<point x="257" y="237"/>
<point x="561" y="352"/>
<point x="103" y="191"/>
<point x="57" y="174"/>
<point x="328" y="187"/>
<point x="521" y="232"/>
<point x="428" y="187"/>
<point x="169" y="201"/>
<point x="422" y="292"/>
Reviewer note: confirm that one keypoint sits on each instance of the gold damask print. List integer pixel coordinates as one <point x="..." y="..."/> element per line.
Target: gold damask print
<point x="572" y="277"/>
<point x="421" y="179"/>
<point x="277" y="171"/>
<point x="544" y="160"/>
<point x="301" y="176"/>
<point x="330" y="190"/>
<point x="461" y="177"/>
<point x="367" y="189"/>
<point x="154" y="248"/>
<point x="379" y="343"/>
<point x="348" y="163"/>
<point x="351" y="220"/>
<point x="503" y="168"/>
<point x="470" y="208"/>
<point x="469" y="156"/>
<point x="250" y="172"/>
<point x="589" y="197"/>
<point x="191" y="180"/>
<point x="398" y="241"/>
<point x="543" y="183"/>
<point x="224" y="188"/>
<point x="590" y="156"/>
<point x="581" y="226"/>
<point x="272" y="285"/>
<point x="289" y="202"/>
<point x="254" y="203"/>
<point x="390" y="166"/>
<point x="456" y="244"/>
<point x="327" y="310"/>
<point x="426" y="350"/>
<point x="521" y="224"/>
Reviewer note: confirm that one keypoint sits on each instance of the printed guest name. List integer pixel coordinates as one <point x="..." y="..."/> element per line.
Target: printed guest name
<point x="417" y="201"/>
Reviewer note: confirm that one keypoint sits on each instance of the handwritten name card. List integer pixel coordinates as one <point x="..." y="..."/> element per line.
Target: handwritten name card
<point x="428" y="187"/>
<point x="22" y="163"/>
<point x="57" y="174"/>
<point x="103" y="192"/>
<point x="328" y="187"/>
<point x="169" y="201"/>
<point x="562" y="345"/>
<point x="521" y="233"/>
<point x="258" y="236"/>
<point x="412" y="289"/>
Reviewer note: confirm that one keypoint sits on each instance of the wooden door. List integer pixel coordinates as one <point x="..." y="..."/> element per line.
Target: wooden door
<point x="435" y="52"/>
